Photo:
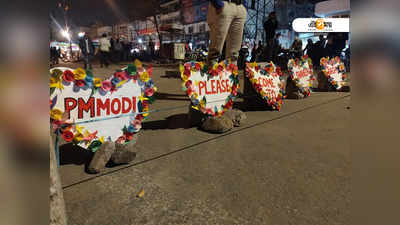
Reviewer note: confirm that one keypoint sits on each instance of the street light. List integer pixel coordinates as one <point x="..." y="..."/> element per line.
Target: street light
<point x="81" y="34"/>
<point x="66" y="34"/>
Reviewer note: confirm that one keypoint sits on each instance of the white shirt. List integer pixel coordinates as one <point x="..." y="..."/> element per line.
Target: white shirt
<point x="105" y="44"/>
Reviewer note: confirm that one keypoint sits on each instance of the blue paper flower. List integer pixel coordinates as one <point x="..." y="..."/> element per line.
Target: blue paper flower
<point x="115" y="81"/>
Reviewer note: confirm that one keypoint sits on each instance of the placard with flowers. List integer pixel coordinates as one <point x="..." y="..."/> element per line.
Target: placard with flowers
<point x="335" y="71"/>
<point x="211" y="90"/>
<point x="267" y="80"/>
<point x="87" y="110"/>
<point x="301" y="72"/>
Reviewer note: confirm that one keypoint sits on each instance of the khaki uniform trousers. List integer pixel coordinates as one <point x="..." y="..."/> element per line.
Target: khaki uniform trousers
<point x="227" y="25"/>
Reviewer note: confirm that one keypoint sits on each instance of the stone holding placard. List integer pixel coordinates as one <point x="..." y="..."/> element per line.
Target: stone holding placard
<point x="335" y="75"/>
<point x="264" y="86"/>
<point x="300" y="78"/>
<point x="211" y="91"/>
<point x="88" y="111"/>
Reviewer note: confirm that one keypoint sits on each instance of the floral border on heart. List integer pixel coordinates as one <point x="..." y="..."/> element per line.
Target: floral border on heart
<point x="306" y="63"/>
<point x="81" y="78"/>
<point x="200" y="104"/>
<point x="271" y="70"/>
<point x="325" y="62"/>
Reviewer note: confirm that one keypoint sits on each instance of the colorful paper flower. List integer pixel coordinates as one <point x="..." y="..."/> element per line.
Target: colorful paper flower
<point x="144" y="77"/>
<point x="97" y="82"/>
<point x="80" y="83"/>
<point x="56" y="73"/>
<point x="68" y="76"/>
<point x="56" y="114"/>
<point x="68" y="136"/>
<point x="149" y="92"/>
<point x="106" y="85"/>
<point x="79" y="74"/>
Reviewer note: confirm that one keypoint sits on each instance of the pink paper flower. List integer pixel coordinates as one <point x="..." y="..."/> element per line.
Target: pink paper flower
<point x="149" y="92"/>
<point x="106" y="85"/>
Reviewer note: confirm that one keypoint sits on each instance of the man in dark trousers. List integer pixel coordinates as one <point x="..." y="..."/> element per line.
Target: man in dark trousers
<point x="270" y="27"/>
<point x="87" y="48"/>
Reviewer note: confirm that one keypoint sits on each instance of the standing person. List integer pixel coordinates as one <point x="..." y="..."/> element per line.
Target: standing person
<point x="309" y="50"/>
<point x="87" y="48"/>
<point x="151" y="47"/>
<point x="223" y="18"/>
<point x="270" y="27"/>
<point x="105" y="46"/>
<point x="297" y="47"/>
<point x="118" y="51"/>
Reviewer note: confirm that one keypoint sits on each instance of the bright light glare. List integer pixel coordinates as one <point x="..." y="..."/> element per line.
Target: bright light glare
<point x="65" y="34"/>
<point x="140" y="40"/>
<point x="81" y="34"/>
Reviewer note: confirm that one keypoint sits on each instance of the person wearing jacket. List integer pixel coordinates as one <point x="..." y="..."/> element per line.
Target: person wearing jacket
<point x="270" y="26"/>
<point x="87" y="48"/>
<point x="105" y="46"/>
<point x="226" y="21"/>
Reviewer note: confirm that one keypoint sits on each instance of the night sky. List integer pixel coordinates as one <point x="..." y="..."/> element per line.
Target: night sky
<point x="108" y="12"/>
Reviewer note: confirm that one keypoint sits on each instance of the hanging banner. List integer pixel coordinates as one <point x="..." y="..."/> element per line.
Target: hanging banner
<point x="301" y="72"/>
<point x="334" y="70"/>
<point x="211" y="90"/>
<point x="267" y="80"/>
<point x="88" y="110"/>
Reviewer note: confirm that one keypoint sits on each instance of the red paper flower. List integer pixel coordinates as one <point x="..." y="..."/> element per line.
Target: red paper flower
<point x="145" y="104"/>
<point x="121" y="140"/>
<point x="121" y="75"/>
<point x="80" y="83"/>
<point x="188" y="84"/>
<point x="68" y="76"/>
<point x="106" y="85"/>
<point x="67" y="135"/>
<point x="129" y="136"/>
<point x="150" y="70"/>
<point x="197" y="66"/>
<point x="139" y="117"/>
<point x="149" y="92"/>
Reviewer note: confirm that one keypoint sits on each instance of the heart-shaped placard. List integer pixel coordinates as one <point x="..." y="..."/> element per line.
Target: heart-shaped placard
<point x="211" y="90"/>
<point x="268" y="82"/>
<point x="87" y="110"/>
<point x="301" y="72"/>
<point x="334" y="70"/>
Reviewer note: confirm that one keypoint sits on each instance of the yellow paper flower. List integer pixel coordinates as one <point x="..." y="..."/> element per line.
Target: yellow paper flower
<point x="184" y="77"/>
<point x="79" y="74"/>
<point x="78" y="137"/>
<point x="181" y="68"/>
<point x="341" y="67"/>
<point x="144" y="76"/>
<point x="121" y="83"/>
<point x="79" y="129"/>
<point x="155" y="89"/>
<point x="195" y="95"/>
<point x="202" y="103"/>
<point x="195" y="107"/>
<point x="142" y="98"/>
<point x="56" y="83"/>
<point x="138" y="63"/>
<point x="56" y="114"/>
<point x="97" y="82"/>
<point x="235" y="72"/>
<point x="101" y="139"/>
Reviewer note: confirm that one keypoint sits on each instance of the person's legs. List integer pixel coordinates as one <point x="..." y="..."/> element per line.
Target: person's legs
<point x="85" y="61"/>
<point x="219" y="25"/>
<point x="89" y="61"/>
<point x="234" y="39"/>
<point x="102" y="57"/>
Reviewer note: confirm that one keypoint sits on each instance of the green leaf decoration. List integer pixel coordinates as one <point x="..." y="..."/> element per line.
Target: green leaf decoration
<point x="52" y="90"/>
<point x="95" y="145"/>
<point x="131" y="69"/>
<point x="56" y="73"/>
